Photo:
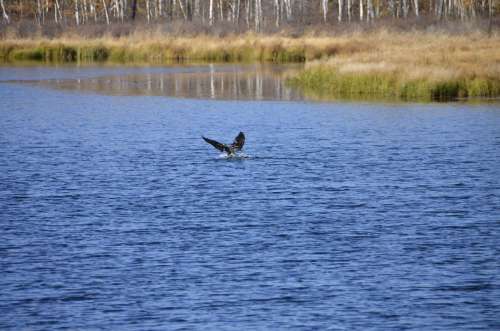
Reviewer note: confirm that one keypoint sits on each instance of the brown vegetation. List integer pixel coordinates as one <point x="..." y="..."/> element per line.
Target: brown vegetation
<point x="410" y="66"/>
<point x="354" y="62"/>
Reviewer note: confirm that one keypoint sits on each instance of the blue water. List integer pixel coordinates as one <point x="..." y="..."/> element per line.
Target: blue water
<point x="115" y="215"/>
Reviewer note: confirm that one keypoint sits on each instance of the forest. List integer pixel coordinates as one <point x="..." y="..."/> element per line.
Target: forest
<point x="256" y="15"/>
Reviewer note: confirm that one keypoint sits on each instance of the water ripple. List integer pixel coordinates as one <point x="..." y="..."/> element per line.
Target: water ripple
<point x="114" y="214"/>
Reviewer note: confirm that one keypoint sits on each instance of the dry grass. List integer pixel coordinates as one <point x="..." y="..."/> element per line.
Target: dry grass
<point x="404" y="65"/>
<point x="410" y="66"/>
<point x="155" y="47"/>
<point x="423" y="56"/>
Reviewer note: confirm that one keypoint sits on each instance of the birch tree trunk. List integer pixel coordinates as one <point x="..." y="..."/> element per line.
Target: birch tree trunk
<point x="57" y="12"/>
<point x="324" y="7"/>
<point x="43" y="13"/>
<point x="258" y="15"/>
<point x="238" y="4"/>
<point x="105" y="7"/>
<point x="490" y="16"/>
<point x="77" y="14"/>
<point x="369" y="10"/>
<point x="340" y="10"/>
<point x="288" y="5"/>
<point x="84" y="10"/>
<point x="122" y="10"/>
<point x="349" y="6"/>
<point x="277" y="13"/>
<point x="182" y="10"/>
<point x="247" y="13"/>
<point x="211" y="13"/>
<point x="4" y="12"/>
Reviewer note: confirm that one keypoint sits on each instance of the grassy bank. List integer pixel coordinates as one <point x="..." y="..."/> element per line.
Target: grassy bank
<point x="167" y="49"/>
<point x="381" y="64"/>
<point x="410" y="67"/>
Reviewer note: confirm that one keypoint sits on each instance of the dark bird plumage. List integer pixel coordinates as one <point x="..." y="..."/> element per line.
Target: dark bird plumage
<point x="236" y="146"/>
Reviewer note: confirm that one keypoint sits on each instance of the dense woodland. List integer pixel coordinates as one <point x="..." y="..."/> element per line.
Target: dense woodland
<point x="250" y="14"/>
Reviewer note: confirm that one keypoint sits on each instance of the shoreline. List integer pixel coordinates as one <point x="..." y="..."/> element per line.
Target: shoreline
<point x="406" y="66"/>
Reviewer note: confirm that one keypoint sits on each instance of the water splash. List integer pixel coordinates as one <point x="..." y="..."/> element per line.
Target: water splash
<point x="237" y="156"/>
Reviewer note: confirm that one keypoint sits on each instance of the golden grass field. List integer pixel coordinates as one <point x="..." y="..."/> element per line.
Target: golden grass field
<point x="404" y="65"/>
<point x="409" y="66"/>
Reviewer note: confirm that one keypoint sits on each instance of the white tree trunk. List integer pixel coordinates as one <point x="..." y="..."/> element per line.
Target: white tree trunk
<point x="247" y="13"/>
<point x="93" y="10"/>
<point x="277" y="13"/>
<point x="57" y="12"/>
<point x="340" y="10"/>
<point x="148" y="11"/>
<point x="4" y="12"/>
<point x="238" y="4"/>
<point x="405" y="8"/>
<point x="221" y="12"/>
<point x="211" y="13"/>
<point x="84" y="9"/>
<point x="258" y="15"/>
<point x="38" y="12"/>
<point x="349" y="6"/>
<point x="182" y="10"/>
<point x="324" y="8"/>
<point x="77" y="14"/>
<point x="105" y="7"/>
<point x="288" y="5"/>
<point x="369" y="10"/>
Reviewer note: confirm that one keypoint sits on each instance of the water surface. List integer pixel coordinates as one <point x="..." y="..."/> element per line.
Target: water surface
<point x="114" y="214"/>
<point x="233" y="82"/>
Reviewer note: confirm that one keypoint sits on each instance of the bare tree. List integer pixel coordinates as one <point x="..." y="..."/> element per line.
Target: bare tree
<point x="257" y="14"/>
<point x="324" y="8"/>
<point x="349" y="6"/>
<point x="105" y="8"/>
<point x="77" y="13"/>
<point x="340" y="10"/>
<point x="370" y="15"/>
<point x="4" y="12"/>
<point x="211" y="13"/>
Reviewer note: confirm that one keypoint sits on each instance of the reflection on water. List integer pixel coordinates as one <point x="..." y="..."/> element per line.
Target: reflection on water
<point x="253" y="82"/>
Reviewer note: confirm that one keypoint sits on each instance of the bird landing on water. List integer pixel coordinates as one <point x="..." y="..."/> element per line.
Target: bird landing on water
<point x="231" y="149"/>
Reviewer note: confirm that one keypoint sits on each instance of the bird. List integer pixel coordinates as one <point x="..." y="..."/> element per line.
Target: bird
<point x="231" y="150"/>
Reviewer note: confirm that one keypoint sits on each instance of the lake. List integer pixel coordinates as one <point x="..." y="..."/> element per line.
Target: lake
<point x="116" y="215"/>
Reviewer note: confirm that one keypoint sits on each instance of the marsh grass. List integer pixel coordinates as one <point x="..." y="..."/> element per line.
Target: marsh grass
<point x="327" y="83"/>
<point x="380" y="64"/>
<point x="155" y="49"/>
<point x="411" y="67"/>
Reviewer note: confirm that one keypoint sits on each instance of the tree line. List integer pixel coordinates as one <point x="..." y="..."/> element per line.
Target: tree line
<point x="253" y="13"/>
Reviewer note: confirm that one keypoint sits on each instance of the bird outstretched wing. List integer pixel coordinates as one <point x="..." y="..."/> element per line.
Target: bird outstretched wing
<point x="221" y="147"/>
<point x="238" y="142"/>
